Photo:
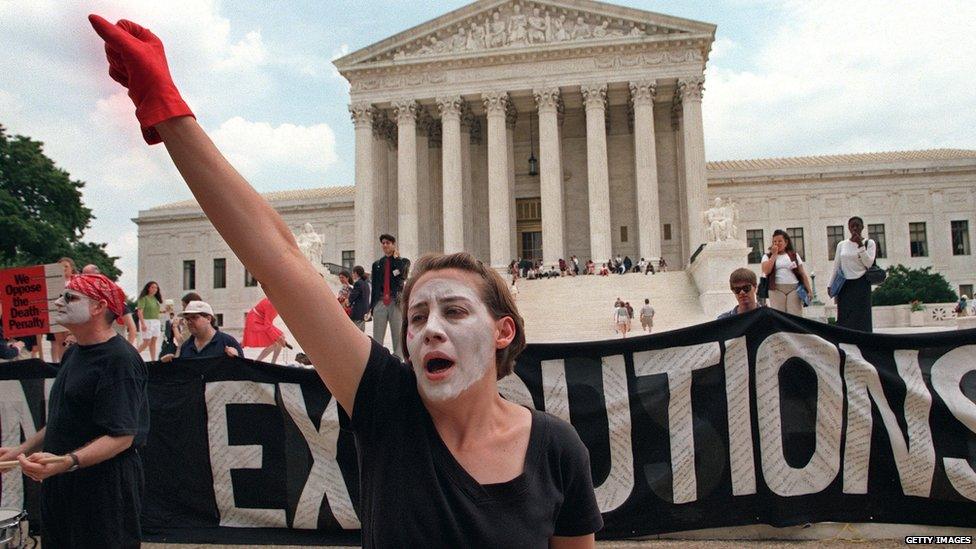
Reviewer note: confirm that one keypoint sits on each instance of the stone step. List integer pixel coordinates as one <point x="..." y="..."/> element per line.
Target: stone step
<point x="579" y="308"/>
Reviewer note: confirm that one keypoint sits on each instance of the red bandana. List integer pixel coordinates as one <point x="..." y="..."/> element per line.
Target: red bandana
<point x="99" y="287"/>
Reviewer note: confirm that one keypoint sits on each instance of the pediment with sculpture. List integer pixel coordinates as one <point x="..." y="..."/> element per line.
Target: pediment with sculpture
<point x="520" y="24"/>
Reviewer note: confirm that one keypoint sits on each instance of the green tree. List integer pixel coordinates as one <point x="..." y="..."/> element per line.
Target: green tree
<point x="42" y="217"/>
<point x="904" y="285"/>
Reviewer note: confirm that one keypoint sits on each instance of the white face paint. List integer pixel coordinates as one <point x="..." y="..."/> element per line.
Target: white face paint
<point x="448" y="320"/>
<point x="71" y="312"/>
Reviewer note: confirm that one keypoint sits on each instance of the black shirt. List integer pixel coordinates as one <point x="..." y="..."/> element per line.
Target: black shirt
<point x="413" y="493"/>
<point x="99" y="390"/>
<point x="213" y="349"/>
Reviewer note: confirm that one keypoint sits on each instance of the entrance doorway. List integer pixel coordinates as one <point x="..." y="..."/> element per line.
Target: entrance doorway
<point x="528" y="225"/>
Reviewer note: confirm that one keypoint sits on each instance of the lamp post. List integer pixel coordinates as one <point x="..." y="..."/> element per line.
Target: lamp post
<point x="533" y="163"/>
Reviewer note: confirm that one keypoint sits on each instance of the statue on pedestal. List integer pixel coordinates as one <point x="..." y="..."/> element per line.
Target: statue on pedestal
<point x="720" y="221"/>
<point x="310" y="243"/>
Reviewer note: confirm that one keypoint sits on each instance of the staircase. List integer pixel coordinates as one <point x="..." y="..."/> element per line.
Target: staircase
<point x="570" y="309"/>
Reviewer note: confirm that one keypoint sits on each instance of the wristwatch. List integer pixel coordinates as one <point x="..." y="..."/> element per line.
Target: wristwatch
<point x="75" y="464"/>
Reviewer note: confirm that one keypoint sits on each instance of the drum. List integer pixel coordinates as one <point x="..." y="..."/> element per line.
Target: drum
<point x="11" y="535"/>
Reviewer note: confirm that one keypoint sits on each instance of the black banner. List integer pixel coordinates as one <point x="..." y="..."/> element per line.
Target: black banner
<point x="758" y="419"/>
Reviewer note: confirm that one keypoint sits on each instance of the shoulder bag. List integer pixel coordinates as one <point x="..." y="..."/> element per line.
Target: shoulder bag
<point x="875" y="275"/>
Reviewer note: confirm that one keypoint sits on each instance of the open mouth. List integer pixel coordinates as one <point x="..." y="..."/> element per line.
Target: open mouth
<point x="438" y="364"/>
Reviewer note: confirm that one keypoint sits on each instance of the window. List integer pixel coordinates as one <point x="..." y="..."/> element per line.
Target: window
<point x="877" y="234"/>
<point x="249" y="280"/>
<point x="966" y="290"/>
<point x="528" y="209"/>
<point x="918" y="240"/>
<point x="667" y="231"/>
<point x="623" y="233"/>
<point x="189" y="275"/>
<point x="754" y="239"/>
<point x="220" y="273"/>
<point x="220" y="320"/>
<point x="835" y="234"/>
<point x="348" y="259"/>
<point x="796" y="236"/>
<point x="960" y="238"/>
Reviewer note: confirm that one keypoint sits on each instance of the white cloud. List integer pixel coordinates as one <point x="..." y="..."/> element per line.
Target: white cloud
<point x="248" y="53"/>
<point x="849" y="77"/>
<point x="252" y="145"/>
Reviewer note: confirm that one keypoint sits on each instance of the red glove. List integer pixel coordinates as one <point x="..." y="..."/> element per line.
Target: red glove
<point x="137" y="61"/>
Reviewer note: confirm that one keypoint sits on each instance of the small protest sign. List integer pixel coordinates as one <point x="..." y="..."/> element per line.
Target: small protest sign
<point x="26" y="296"/>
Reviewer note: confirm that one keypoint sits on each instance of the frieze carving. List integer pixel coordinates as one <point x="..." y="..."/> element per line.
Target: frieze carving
<point x="522" y="24"/>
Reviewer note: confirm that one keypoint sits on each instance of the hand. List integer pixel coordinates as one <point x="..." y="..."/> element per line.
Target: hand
<point x="857" y="239"/>
<point x="167" y="357"/>
<point x="230" y="351"/>
<point x="137" y="61"/>
<point x="143" y="327"/>
<point x="33" y="468"/>
<point x="367" y="317"/>
<point x="8" y="453"/>
<point x="19" y="345"/>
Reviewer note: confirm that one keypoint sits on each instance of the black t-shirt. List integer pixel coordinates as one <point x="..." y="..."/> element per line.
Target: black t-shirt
<point x="414" y="493"/>
<point x="99" y="390"/>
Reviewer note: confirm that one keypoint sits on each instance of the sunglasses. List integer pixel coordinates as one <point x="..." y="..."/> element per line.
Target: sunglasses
<point x="742" y="289"/>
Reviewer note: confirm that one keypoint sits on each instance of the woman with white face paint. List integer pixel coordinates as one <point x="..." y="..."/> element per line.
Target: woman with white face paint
<point x="444" y="461"/>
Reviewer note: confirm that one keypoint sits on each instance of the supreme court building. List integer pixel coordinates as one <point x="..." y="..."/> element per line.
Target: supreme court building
<point x="568" y="127"/>
<point x="532" y="129"/>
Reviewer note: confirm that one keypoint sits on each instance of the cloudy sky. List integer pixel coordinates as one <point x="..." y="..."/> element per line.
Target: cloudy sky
<point x="784" y="79"/>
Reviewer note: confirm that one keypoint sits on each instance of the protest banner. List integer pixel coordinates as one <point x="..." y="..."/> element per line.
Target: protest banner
<point x="762" y="418"/>
<point x="27" y="295"/>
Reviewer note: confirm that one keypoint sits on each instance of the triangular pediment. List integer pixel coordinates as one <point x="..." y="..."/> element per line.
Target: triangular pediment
<point x="495" y="26"/>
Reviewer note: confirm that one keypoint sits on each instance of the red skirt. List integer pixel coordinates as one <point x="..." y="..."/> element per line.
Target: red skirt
<point x="258" y="332"/>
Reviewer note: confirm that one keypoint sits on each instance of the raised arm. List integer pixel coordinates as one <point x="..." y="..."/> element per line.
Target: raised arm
<point x="249" y="225"/>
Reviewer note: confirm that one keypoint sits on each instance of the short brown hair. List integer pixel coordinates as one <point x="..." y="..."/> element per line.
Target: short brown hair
<point x="743" y="275"/>
<point x="494" y="292"/>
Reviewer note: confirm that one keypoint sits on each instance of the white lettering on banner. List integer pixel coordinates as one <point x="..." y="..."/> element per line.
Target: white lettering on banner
<point x="224" y="457"/>
<point x="915" y="459"/>
<point x="782" y="478"/>
<point x="620" y="481"/>
<point x="947" y="374"/>
<point x="554" y="391"/>
<point x="741" y="454"/>
<point x="15" y="415"/>
<point x="678" y="363"/>
<point x="619" y="484"/>
<point x="513" y="389"/>
<point x="325" y="478"/>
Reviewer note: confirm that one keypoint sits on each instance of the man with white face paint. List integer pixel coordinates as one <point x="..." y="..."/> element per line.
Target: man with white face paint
<point x="444" y="461"/>
<point x="98" y="417"/>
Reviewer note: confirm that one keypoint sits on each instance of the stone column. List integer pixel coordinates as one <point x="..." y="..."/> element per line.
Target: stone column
<point x="696" y="183"/>
<point x="511" y="116"/>
<point x="381" y="174"/>
<point x="435" y="212"/>
<point x="424" y="121"/>
<point x="547" y="100"/>
<point x="500" y="241"/>
<point x="408" y="239"/>
<point x="452" y="179"/>
<point x="469" y="126"/>
<point x="645" y="170"/>
<point x="597" y="172"/>
<point x="362" y="118"/>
